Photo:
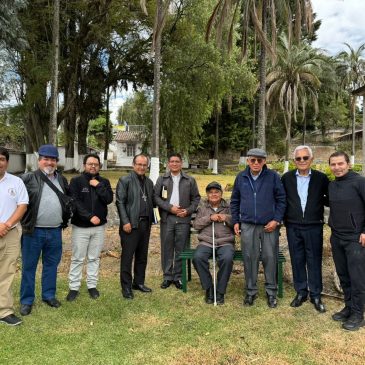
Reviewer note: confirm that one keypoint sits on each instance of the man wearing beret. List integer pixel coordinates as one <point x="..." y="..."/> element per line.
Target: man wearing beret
<point x="257" y="205"/>
<point x="214" y="211"/>
<point x="42" y="224"/>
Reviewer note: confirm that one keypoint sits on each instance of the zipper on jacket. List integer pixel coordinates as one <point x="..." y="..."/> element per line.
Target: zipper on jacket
<point x="254" y="196"/>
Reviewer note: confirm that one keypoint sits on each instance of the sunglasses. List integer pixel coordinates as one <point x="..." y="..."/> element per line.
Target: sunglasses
<point x="258" y="160"/>
<point x="304" y="158"/>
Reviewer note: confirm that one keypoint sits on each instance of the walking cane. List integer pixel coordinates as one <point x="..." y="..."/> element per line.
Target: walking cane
<point x="214" y="280"/>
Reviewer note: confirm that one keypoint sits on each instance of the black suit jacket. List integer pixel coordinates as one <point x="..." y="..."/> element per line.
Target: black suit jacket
<point x="317" y="198"/>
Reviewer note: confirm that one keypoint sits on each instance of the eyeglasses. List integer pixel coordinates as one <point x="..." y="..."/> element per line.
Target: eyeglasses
<point x="304" y="158"/>
<point x="92" y="164"/>
<point x="258" y="160"/>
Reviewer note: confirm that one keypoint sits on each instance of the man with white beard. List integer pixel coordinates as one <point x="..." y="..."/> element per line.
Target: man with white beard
<point x="42" y="225"/>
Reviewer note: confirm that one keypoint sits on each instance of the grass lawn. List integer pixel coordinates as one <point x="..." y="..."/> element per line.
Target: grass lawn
<point x="170" y="327"/>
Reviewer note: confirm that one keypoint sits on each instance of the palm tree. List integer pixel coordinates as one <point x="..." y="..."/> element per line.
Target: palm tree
<point x="255" y="14"/>
<point x="293" y="81"/>
<point x="352" y="70"/>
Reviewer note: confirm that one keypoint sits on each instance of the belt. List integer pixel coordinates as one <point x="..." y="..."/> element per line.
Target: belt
<point x="143" y="218"/>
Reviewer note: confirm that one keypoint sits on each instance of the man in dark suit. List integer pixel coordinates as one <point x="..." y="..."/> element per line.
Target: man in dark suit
<point x="134" y="195"/>
<point x="306" y="195"/>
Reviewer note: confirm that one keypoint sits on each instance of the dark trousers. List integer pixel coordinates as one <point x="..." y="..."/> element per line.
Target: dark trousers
<point x="224" y="258"/>
<point x="305" y="247"/>
<point x="174" y="239"/>
<point x="349" y="258"/>
<point x="48" y="242"/>
<point x="134" y="244"/>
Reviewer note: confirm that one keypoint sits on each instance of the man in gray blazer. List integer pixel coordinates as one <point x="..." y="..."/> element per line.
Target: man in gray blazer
<point x="177" y="196"/>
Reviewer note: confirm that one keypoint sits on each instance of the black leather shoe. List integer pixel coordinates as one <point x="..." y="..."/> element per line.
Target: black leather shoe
<point x="178" y="284"/>
<point x="249" y="299"/>
<point x="271" y="301"/>
<point x="25" y="309"/>
<point x="53" y="302"/>
<point x="142" y="288"/>
<point x="318" y="305"/>
<point x="72" y="295"/>
<point x="354" y="322"/>
<point x="209" y="295"/>
<point x="94" y="293"/>
<point x="343" y="315"/>
<point x="298" y="300"/>
<point x="165" y="284"/>
<point x="220" y="299"/>
<point x="127" y="293"/>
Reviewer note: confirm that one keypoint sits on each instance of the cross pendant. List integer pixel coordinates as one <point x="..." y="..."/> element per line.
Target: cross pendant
<point x="144" y="197"/>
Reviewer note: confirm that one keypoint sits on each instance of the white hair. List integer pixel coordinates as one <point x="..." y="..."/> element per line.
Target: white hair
<point x="303" y="147"/>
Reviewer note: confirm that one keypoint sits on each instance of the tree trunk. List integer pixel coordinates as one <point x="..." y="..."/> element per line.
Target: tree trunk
<point x="363" y="131"/>
<point x="287" y="142"/>
<point x="304" y="130"/>
<point x="82" y="127"/>
<point x="261" y="130"/>
<point x="353" y="130"/>
<point x="215" y="159"/>
<point x="155" y="168"/>
<point x="106" y="147"/>
<point x="52" y="138"/>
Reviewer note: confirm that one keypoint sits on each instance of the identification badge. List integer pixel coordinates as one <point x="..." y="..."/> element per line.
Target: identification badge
<point x="164" y="192"/>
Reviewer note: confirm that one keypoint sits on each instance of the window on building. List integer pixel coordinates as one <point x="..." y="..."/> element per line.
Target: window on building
<point x="131" y="150"/>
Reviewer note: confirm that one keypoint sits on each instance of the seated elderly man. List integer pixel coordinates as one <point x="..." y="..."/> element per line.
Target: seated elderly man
<point x="214" y="210"/>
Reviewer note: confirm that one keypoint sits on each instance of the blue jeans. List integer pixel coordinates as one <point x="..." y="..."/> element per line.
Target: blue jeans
<point x="48" y="242"/>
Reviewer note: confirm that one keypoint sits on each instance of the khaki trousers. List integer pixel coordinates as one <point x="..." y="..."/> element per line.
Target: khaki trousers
<point x="9" y="253"/>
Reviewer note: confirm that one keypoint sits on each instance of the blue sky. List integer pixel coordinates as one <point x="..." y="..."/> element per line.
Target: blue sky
<point x="342" y="21"/>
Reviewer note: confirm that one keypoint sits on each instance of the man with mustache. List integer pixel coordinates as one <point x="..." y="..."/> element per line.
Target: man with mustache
<point x="92" y="194"/>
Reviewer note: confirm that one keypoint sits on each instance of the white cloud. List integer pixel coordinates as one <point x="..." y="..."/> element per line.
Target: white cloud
<point x="117" y="101"/>
<point x="342" y="21"/>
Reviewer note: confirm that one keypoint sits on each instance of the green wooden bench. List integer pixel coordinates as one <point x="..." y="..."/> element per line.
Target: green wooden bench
<point x="188" y="254"/>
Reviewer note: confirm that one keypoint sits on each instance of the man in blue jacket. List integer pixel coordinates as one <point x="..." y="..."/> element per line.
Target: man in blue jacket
<point x="257" y="205"/>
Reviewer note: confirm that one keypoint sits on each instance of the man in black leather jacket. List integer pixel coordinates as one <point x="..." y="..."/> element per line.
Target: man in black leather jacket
<point x="134" y="199"/>
<point x="42" y="224"/>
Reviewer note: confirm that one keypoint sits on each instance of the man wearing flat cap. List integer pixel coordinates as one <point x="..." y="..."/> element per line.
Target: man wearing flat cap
<point x="42" y="224"/>
<point x="214" y="211"/>
<point x="258" y="204"/>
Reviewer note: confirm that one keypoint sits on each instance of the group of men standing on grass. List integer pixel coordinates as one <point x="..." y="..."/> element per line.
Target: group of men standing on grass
<point x="260" y="202"/>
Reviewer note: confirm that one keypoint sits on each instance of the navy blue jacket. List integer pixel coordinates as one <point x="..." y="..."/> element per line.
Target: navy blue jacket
<point x="258" y="202"/>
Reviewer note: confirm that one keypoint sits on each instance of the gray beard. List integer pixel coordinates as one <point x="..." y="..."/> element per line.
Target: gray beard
<point x="49" y="170"/>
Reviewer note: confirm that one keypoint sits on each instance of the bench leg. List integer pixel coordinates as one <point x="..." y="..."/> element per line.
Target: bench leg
<point x="280" y="279"/>
<point x="189" y="270"/>
<point x="183" y="277"/>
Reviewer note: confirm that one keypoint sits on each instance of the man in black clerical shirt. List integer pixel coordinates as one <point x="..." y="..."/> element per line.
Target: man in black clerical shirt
<point x="134" y="199"/>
